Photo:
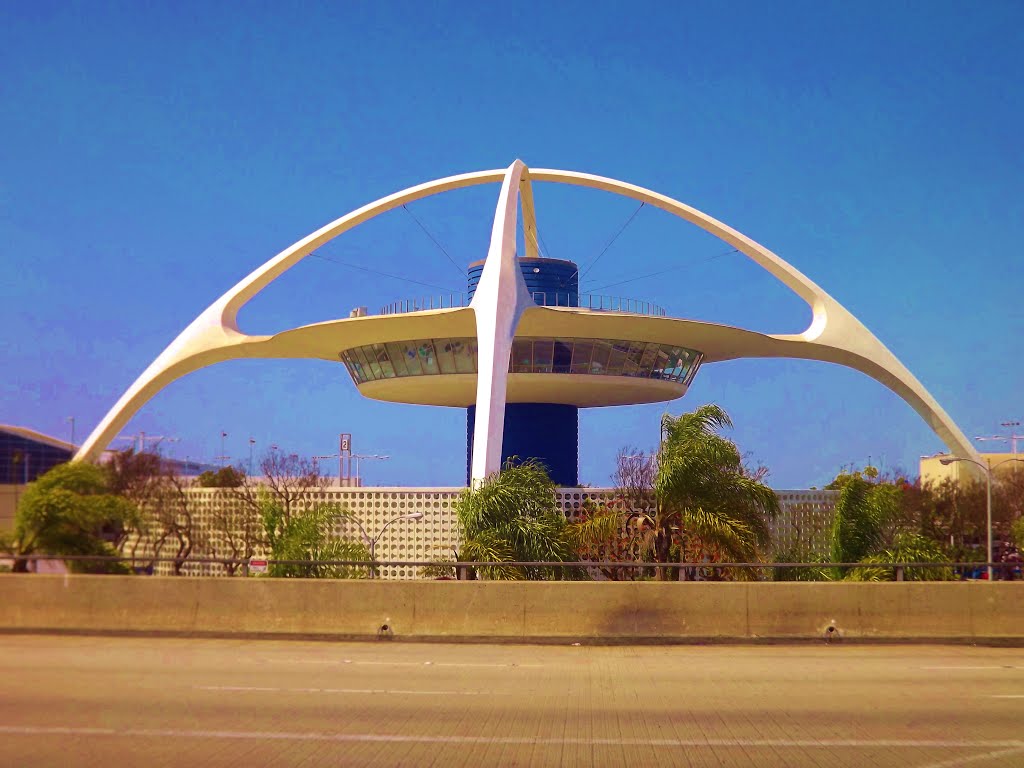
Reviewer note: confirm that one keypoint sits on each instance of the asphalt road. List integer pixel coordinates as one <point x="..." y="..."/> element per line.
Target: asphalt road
<point x="170" y="702"/>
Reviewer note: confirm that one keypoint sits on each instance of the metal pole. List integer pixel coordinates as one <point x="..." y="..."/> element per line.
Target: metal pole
<point x="988" y="509"/>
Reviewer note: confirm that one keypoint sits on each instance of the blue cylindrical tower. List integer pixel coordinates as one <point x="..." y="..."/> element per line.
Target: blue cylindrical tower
<point x="551" y="282"/>
<point x="547" y="432"/>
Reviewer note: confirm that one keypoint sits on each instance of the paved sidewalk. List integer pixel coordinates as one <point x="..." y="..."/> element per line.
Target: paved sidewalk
<point x="115" y="701"/>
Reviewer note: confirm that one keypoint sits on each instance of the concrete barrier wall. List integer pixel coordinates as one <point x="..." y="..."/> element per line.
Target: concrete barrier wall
<point x="514" y="611"/>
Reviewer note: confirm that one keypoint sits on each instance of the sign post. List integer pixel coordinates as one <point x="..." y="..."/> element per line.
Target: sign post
<point x="344" y="458"/>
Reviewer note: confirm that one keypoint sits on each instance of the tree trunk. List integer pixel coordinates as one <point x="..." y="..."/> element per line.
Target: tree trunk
<point x="662" y="551"/>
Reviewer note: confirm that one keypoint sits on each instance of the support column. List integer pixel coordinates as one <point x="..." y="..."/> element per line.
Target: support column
<point x="499" y="301"/>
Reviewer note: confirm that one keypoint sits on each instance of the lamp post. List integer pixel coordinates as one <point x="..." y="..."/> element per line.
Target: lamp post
<point x="987" y="469"/>
<point x="72" y="420"/>
<point x="372" y="456"/>
<point x="1013" y="437"/>
<point x="372" y="543"/>
<point x="357" y="457"/>
<point x="252" y="444"/>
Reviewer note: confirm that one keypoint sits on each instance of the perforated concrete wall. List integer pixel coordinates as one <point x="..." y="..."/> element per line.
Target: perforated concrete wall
<point x="806" y="516"/>
<point x="803" y="525"/>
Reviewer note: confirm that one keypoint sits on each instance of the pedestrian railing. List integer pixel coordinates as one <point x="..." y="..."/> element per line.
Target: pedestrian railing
<point x="697" y="571"/>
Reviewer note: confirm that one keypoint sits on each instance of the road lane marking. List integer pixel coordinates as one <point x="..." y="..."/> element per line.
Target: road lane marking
<point x="474" y="664"/>
<point x="336" y="662"/>
<point x="994" y="744"/>
<point x="1007" y="696"/>
<point x="255" y="689"/>
<point x="233" y="688"/>
<point x="1004" y="666"/>
<point x="57" y="730"/>
<point x="958" y="761"/>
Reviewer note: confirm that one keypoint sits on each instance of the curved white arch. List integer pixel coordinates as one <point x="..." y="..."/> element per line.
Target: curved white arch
<point x="214" y="335"/>
<point x="834" y="334"/>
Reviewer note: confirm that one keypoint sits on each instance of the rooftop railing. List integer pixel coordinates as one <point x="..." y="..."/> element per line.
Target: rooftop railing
<point x="591" y="301"/>
<point x="424" y="303"/>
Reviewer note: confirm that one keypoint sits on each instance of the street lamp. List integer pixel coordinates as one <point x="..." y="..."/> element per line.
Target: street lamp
<point x="372" y="456"/>
<point x="987" y="469"/>
<point x="372" y="543"/>
<point x="357" y="456"/>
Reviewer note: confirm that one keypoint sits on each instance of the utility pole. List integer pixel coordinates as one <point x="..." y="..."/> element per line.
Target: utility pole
<point x="223" y="457"/>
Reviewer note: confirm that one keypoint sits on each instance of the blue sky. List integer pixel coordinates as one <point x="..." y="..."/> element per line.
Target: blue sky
<point x="152" y="154"/>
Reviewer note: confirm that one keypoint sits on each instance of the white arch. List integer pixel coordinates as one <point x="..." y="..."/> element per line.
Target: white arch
<point x="834" y="334"/>
<point x="214" y="336"/>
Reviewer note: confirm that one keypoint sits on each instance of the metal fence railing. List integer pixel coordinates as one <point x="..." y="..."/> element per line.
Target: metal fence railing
<point x="591" y="301"/>
<point x="698" y="571"/>
<point x="598" y="303"/>
<point x="424" y="303"/>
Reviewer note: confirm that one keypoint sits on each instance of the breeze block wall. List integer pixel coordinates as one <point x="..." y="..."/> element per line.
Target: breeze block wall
<point x="805" y="517"/>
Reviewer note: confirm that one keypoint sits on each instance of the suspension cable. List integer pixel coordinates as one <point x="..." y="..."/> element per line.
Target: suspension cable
<point x="534" y="233"/>
<point x="688" y="265"/>
<point x="614" y="238"/>
<point x="382" y="274"/>
<point x="434" y="240"/>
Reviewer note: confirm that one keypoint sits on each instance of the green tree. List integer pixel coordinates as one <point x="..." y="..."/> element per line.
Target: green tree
<point x="704" y="496"/>
<point x="877" y="520"/>
<point x="906" y="547"/>
<point x="225" y="477"/>
<point x="1017" y="532"/>
<point x="862" y="515"/>
<point x="514" y="516"/>
<point x="70" y="510"/>
<point x="307" y="536"/>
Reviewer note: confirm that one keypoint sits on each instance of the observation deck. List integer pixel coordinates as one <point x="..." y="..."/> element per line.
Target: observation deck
<point x="582" y="366"/>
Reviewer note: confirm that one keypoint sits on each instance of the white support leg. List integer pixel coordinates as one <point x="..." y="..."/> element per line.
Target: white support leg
<point x="500" y="298"/>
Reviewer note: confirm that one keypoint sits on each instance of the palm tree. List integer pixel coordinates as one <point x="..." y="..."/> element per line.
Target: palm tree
<point x="703" y="495"/>
<point x="866" y="528"/>
<point x="906" y="547"/>
<point x="863" y="512"/>
<point x="514" y="516"/>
